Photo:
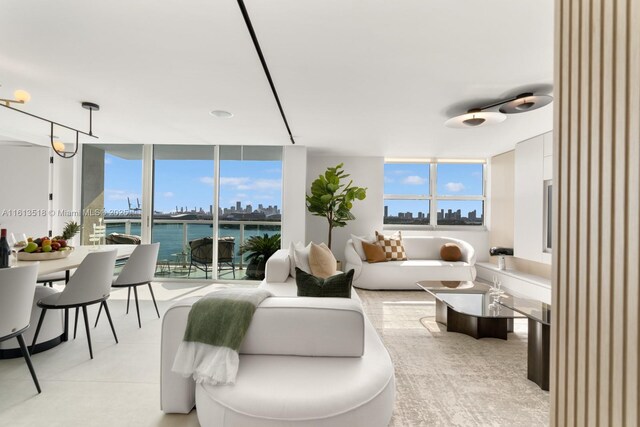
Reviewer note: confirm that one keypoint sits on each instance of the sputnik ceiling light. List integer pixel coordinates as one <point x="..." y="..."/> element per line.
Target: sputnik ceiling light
<point x="476" y="117"/>
<point x="59" y="147"/>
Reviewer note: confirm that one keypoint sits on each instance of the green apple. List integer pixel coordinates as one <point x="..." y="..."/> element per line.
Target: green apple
<point x="31" y="247"/>
<point x="46" y="248"/>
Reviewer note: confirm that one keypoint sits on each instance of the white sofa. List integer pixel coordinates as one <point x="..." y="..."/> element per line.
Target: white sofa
<point x="304" y="362"/>
<point x="423" y="263"/>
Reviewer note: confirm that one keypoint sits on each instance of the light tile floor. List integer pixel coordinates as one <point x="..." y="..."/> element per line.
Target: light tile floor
<point x="438" y="382"/>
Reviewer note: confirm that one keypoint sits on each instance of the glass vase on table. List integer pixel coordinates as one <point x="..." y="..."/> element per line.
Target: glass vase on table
<point x="18" y="243"/>
<point x="496" y="290"/>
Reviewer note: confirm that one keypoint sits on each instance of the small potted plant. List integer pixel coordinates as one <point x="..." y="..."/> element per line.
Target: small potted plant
<point x="259" y="250"/>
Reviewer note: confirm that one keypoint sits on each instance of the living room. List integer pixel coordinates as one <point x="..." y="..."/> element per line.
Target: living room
<point x="506" y="129"/>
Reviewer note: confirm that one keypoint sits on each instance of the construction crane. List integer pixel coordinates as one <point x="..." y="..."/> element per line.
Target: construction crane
<point x="134" y="209"/>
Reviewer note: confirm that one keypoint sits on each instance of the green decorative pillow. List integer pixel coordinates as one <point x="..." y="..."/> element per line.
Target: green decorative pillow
<point x="338" y="286"/>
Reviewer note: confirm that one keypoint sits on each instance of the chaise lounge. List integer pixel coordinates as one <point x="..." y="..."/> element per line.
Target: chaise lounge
<point x="304" y="362"/>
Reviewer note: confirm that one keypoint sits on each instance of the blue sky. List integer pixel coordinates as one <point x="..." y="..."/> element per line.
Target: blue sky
<point x="190" y="183"/>
<point x="453" y="179"/>
<point x="123" y="178"/>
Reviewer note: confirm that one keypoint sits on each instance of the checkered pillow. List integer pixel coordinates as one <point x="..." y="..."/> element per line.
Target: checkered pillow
<point x="392" y="246"/>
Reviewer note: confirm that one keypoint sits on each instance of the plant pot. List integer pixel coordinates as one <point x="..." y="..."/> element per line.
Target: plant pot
<point x="255" y="269"/>
<point x="260" y="270"/>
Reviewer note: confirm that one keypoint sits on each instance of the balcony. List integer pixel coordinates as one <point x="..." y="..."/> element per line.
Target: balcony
<point x="174" y="237"/>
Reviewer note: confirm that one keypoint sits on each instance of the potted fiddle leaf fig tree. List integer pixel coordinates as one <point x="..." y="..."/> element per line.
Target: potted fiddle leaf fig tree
<point x="332" y="198"/>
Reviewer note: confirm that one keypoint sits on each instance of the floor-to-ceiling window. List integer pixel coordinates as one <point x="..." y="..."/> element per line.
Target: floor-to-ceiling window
<point x="249" y="203"/>
<point x="202" y="207"/>
<point x="183" y="199"/>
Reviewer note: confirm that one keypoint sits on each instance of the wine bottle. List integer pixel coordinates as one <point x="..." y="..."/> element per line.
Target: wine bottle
<point x="5" y="250"/>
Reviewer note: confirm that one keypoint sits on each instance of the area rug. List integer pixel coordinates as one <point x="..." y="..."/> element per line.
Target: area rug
<point x="450" y="379"/>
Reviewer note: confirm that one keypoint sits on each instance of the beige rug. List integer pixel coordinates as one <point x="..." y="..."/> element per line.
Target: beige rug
<point x="450" y="379"/>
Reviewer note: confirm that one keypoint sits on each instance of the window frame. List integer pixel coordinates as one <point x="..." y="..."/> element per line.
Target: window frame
<point x="433" y="197"/>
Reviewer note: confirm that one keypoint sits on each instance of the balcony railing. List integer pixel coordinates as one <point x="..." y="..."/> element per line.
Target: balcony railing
<point x="174" y="235"/>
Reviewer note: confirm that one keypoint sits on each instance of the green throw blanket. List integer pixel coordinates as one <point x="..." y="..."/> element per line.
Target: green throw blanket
<point x="215" y="330"/>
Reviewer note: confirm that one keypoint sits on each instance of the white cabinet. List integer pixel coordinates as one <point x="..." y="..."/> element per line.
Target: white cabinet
<point x="533" y="164"/>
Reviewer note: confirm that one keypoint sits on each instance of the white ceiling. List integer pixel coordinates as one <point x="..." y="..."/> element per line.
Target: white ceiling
<point x="376" y="77"/>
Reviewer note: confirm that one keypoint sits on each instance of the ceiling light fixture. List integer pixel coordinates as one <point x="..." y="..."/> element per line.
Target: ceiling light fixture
<point x="525" y="102"/>
<point x="59" y="147"/>
<point x="478" y="116"/>
<point x="475" y="117"/>
<point x="21" y="97"/>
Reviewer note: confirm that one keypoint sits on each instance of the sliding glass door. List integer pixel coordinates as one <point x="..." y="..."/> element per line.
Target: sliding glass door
<point x="250" y="199"/>
<point x="182" y="219"/>
<point x="203" y="207"/>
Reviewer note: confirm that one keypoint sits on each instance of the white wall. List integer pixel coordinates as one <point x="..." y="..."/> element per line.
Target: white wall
<point x="64" y="192"/>
<point x="294" y="172"/>
<point x="24" y="190"/>
<point x="369" y="172"/>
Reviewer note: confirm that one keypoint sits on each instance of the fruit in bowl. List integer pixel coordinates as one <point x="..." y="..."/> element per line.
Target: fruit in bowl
<point x="45" y="244"/>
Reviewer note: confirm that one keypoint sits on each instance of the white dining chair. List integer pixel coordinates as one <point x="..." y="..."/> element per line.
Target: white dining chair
<point x="51" y="278"/>
<point x="17" y="288"/>
<point x="90" y="284"/>
<point x="139" y="270"/>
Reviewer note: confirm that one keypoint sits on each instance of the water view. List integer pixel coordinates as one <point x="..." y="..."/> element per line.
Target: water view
<point x="248" y="186"/>
<point x="174" y="236"/>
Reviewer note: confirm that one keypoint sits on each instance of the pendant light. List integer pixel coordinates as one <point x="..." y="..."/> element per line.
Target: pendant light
<point x="61" y="148"/>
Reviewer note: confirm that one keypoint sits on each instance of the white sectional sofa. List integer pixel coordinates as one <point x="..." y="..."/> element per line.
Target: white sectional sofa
<point x="304" y="362"/>
<point x="423" y="263"/>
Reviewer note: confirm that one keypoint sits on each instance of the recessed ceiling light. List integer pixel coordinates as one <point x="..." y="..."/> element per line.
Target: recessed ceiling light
<point x="221" y="114"/>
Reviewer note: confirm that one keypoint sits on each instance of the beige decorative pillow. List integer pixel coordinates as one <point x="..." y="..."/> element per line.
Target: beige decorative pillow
<point x="392" y="246"/>
<point x="321" y="261"/>
<point x="374" y="252"/>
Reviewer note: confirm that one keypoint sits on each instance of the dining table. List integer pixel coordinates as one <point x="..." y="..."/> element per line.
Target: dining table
<point x="76" y="257"/>
<point x="73" y="261"/>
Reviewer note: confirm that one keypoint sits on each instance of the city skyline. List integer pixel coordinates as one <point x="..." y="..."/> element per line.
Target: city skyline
<point x="189" y="183"/>
<point x="444" y="217"/>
